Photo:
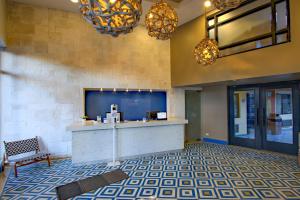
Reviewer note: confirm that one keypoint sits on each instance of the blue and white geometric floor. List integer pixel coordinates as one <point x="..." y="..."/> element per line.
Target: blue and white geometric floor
<point x="201" y="171"/>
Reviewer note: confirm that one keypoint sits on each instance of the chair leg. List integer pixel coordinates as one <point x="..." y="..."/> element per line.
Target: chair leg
<point x="16" y="171"/>
<point x="3" y="162"/>
<point x="49" y="162"/>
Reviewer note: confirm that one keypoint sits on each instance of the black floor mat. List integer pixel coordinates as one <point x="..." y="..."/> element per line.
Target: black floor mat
<point x="76" y="188"/>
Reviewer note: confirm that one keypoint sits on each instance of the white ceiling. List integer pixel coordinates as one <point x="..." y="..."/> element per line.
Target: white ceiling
<point x="187" y="10"/>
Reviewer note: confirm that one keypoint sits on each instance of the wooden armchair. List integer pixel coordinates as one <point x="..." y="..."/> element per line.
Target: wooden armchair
<point x="25" y="146"/>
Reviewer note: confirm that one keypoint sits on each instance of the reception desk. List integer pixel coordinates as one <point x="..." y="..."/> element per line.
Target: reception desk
<point x="94" y="142"/>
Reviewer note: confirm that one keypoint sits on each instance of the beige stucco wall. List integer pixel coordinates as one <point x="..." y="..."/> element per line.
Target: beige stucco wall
<point x="52" y="55"/>
<point x="2" y="23"/>
<point x="281" y="59"/>
<point x="214" y="114"/>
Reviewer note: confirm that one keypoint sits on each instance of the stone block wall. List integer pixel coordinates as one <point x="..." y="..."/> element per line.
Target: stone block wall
<point x="52" y="55"/>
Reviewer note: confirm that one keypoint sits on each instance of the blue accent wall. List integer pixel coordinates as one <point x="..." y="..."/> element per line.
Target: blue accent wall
<point x="133" y="104"/>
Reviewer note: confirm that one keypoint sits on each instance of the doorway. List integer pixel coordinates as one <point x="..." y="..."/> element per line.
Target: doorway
<point x="193" y="115"/>
<point x="265" y="116"/>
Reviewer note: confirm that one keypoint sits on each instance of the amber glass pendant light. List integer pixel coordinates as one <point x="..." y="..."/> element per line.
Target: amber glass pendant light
<point x="112" y="17"/>
<point x="226" y="4"/>
<point x="161" y="20"/>
<point x="206" y="51"/>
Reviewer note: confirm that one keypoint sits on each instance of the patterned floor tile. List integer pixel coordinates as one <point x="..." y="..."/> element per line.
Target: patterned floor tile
<point x="152" y="182"/>
<point x="167" y="193"/>
<point x="207" y="194"/>
<point x="248" y="194"/>
<point x="267" y="193"/>
<point x="289" y="193"/>
<point x="169" y="182"/>
<point x="148" y="192"/>
<point x="187" y="193"/>
<point x="129" y="192"/>
<point x="200" y="171"/>
<point x="227" y="193"/>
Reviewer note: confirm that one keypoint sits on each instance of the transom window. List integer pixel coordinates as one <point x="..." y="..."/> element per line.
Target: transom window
<point x="254" y="25"/>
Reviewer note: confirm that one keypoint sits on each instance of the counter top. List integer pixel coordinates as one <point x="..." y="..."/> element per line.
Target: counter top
<point x="91" y="126"/>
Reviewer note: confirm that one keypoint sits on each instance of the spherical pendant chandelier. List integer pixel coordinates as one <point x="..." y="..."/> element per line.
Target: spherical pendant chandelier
<point x="206" y="52"/>
<point x="226" y="4"/>
<point x="161" y="20"/>
<point x="112" y="16"/>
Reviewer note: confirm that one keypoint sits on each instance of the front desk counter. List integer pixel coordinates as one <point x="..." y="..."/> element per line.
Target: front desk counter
<point x="94" y="142"/>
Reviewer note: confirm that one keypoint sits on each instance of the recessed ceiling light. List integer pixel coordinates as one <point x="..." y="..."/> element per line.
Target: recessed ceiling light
<point x="74" y="1"/>
<point x="207" y="3"/>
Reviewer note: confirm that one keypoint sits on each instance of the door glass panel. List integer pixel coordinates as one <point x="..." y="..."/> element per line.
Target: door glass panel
<point x="279" y="114"/>
<point x="244" y="114"/>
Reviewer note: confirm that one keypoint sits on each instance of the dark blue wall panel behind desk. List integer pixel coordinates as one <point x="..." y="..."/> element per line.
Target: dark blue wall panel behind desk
<point x="133" y="104"/>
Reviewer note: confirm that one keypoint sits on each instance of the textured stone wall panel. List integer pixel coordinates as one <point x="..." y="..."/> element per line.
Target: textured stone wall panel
<point x="52" y="55"/>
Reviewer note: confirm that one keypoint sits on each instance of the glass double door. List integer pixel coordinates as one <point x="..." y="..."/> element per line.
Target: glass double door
<point x="265" y="117"/>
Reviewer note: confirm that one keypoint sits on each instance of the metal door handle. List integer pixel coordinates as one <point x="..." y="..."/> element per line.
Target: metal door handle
<point x="264" y="117"/>
<point x="257" y="116"/>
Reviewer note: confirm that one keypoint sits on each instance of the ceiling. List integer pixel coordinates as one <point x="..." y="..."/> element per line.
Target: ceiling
<point x="187" y="10"/>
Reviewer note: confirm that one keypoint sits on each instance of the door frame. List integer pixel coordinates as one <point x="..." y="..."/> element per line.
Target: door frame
<point x="186" y="135"/>
<point x="277" y="146"/>
<point x="242" y="141"/>
<point x="260" y="135"/>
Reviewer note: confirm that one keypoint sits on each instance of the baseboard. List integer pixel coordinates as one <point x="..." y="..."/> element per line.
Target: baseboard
<point x="215" y="141"/>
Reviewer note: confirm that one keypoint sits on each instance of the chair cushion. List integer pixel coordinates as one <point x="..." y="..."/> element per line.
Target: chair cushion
<point x="40" y="155"/>
<point x="21" y="146"/>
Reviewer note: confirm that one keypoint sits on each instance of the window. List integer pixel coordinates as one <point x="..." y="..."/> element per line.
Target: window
<point x="286" y="104"/>
<point x="255" y="24"/>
